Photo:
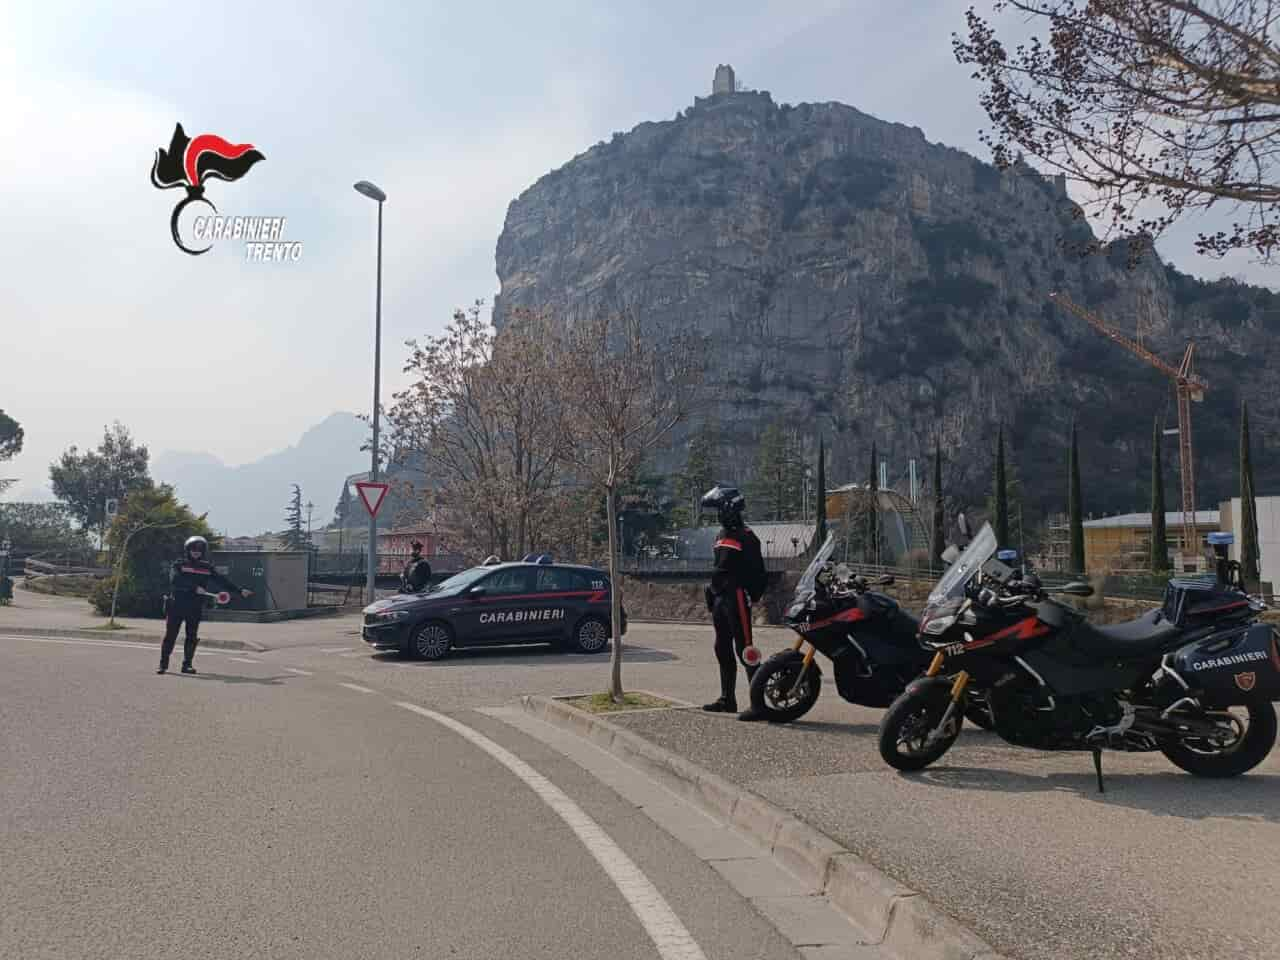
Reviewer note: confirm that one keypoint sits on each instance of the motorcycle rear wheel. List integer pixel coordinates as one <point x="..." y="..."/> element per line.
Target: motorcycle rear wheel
<point x="771" y="688"/>
<point x="906" y="726"/>
<point x="1199" y="758"/>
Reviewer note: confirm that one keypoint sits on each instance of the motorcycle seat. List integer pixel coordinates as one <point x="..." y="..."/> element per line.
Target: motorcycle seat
<point x="1132" y="639"/>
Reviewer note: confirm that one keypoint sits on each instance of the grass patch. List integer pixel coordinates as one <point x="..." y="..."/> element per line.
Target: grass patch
<point x="112" y="626"/>
<point x="602" y="703"/>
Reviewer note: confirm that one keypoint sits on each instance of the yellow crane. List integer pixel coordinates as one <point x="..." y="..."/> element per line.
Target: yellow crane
<point x="1188" y="386"/>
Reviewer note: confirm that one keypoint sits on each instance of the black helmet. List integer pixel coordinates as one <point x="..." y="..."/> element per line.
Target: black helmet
<point x="416" y="546"/>
<point x="728" y="504"/>
<point x="193" y="542"/>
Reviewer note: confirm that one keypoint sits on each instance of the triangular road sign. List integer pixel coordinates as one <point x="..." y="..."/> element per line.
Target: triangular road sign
<point x="378" y="491"/>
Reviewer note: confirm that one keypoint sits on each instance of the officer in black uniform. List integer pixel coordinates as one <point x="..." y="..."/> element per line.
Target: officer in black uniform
<point x="738" y="580"/>
<point x="417" y="572"/>
<point x="190" y="579"/>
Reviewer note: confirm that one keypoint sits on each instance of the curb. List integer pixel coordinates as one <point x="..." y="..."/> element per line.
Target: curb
<point x="133" y="636"/>
<point x="901" y="920"/>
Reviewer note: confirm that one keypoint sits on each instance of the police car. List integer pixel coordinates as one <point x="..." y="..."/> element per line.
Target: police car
<point x="507" y="603"/>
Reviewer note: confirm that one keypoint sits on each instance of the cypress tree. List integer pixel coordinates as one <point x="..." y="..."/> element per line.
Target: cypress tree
<point x="820" y="531"/>
<point x="1002" y="494"/>
<point x="1248" y="506"/>
<point x="1159" y="535"/>
<point x="873" y="514"/>
<point x="1075" y="508"/>
<point x="939" y="526"/>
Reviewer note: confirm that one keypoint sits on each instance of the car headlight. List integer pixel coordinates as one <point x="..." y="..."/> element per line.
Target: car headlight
<point x="393" y="615"/>
<point x="940" y="625"/>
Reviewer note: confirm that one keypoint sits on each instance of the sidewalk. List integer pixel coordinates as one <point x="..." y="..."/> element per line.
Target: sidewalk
<point x="1016" y="845"/>
<point x="44" y="615"/>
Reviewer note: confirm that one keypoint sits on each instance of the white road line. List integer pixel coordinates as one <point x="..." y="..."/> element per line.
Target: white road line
<point x="666" y="931"/>
<point x="301" y="673"/>
<point x="244" y="660"/>
<point x="336" y="649"/>
<point x="356" y="687"/>
<point x="90" y="643"/>
<point x="354" y="653"/>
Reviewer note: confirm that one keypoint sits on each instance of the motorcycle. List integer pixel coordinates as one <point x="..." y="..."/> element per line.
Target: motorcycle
<point x="1194" y="679"/>
<point x="869" y="639"/>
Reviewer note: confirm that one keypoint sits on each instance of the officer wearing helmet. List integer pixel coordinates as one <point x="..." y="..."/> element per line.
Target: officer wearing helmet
<point x="417" y="572"/>
<point x="739" y="578"/>
<point x="190" y="579"/>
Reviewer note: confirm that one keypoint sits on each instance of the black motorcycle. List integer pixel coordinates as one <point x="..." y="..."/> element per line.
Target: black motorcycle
<point x="869" y="639"/>
<point x="1194" y="679"/>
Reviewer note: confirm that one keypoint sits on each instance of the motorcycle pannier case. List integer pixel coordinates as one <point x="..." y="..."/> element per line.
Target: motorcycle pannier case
<point x="1234" y="667"/>
<point x="1191" y="603"/>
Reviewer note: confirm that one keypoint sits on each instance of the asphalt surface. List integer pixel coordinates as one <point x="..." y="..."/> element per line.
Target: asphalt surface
<point x="257" y="811"/>
<point x="1016" y="844"/>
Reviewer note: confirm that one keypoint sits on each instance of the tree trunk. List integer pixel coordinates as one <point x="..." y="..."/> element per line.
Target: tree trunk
<point x="615" y="595"/>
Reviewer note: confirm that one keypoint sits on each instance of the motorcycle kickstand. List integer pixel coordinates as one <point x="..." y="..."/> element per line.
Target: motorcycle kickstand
<point x="1097" y="768"/>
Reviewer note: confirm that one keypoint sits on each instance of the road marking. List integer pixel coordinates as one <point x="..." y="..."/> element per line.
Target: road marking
<point x="337" y="649"/>
<point x="301" y="673"/>
<point x="668" y="934"/>
<point x="356" y="687"/>
<point x="244" y="660"/>
<point x="354" y="653"/>
<point x="89" y="643"/>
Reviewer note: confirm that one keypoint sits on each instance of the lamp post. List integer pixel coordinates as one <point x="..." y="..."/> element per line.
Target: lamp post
<point x="373" y="192"/>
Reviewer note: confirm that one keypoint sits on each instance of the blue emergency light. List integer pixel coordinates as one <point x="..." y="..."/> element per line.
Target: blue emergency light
<point x="1007" y="555"/>
<point x="1221" y="539"/>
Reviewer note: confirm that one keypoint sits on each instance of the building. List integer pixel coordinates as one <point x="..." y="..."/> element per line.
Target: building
<point x="395" y="546"/>
<point x="1122" y="544"/>
<point x="725" y="81"/>
<point x="1268" y="536"/>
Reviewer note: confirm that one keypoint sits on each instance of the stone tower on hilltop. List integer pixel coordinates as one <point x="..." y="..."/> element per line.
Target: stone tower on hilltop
<point x="724" y="81"/>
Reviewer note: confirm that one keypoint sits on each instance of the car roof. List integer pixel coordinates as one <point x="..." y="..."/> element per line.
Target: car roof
<point x="542" y="566"/>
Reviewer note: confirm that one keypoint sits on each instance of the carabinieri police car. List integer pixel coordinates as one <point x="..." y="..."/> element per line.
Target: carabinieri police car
<point x="508" y="603"/>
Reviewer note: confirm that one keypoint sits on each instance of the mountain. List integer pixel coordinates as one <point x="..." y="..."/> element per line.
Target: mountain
<point x="862" y="283"/>
<point x="251" y="498"/>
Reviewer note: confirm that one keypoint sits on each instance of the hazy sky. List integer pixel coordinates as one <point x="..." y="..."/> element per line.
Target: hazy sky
<point x="453" y="108"/>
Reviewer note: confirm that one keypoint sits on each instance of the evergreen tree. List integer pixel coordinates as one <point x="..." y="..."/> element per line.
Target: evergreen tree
<point x="1248" y="506"/>
<point x="873" y="510"/>
<point x="295" y="537"/>
<point x="342" y="512"/>
<point x="939" y="520"/>
<point x="820" y="527"/>
<point x="1075" y="508"/>
<point x="777" y="483"/>
<point x="1159" y="534"/>
<point x="699" y="474"/>
<point x="1001" y="494"/>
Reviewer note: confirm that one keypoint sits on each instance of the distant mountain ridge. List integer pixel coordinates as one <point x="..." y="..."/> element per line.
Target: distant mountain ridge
<point x="251" y="498"/>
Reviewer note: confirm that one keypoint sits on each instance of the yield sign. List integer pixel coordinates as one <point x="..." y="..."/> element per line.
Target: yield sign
<point x="368" y="489"/>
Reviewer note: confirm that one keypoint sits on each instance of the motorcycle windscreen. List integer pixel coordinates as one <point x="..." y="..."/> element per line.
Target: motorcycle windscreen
<point x="806" y="588"/>
<point x="952" y="583"/>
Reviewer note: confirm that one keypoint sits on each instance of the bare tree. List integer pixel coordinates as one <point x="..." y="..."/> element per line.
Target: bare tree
<point x="1174" y="101"/>
<point x="481" y="419"/>
<point x="625" y="384"/>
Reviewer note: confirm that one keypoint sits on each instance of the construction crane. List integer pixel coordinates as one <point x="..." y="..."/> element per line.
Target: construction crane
<point x="1188" y="385"/>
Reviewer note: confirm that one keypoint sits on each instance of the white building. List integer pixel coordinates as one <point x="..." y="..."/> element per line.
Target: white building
<point x="1268" y="535"/>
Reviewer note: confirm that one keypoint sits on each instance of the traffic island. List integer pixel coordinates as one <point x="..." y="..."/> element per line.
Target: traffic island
<point x="902" y="921"/>
<point x="604" y="702"/>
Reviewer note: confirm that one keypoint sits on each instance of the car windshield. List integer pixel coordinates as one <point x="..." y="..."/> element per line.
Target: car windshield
<point x="460" y="580"/>
<point x="807" y="585"/>
<point x="952" y="583"/>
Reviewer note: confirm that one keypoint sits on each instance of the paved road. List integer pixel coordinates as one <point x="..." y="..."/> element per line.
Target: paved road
<point x="1016" y="844"/>
<point x="271" y="808"/>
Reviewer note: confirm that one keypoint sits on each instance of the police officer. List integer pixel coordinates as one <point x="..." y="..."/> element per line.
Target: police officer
<point x="417" y="572"/>
<point x="738" y="579"/>
<point x="190" y="579"/>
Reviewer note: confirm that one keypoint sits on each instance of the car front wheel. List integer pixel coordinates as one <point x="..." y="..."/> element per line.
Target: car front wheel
<point x="591" y="635"/>
<point x="432" y="641"/>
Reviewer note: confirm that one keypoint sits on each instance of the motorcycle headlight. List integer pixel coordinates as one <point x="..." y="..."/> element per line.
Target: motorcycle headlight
<point x="940" y="625"/>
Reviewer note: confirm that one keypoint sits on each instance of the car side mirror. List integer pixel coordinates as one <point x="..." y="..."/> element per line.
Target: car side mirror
<point x="1076" y="589"/>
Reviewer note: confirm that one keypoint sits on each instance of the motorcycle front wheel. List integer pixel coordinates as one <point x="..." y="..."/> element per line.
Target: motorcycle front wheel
<point x="905" y="731"/>
<point x="1249" y="735"/>
<point x="774" y="694"/>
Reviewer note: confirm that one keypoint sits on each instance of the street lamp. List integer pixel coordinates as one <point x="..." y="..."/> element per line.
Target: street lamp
<point x="375" y="193"/>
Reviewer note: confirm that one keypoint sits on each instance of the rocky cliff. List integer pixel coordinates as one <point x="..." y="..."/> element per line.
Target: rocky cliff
<point x="860" y="281"/>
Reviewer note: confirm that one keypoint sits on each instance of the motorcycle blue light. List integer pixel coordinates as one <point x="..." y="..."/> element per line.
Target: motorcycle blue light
<point x="1221" y="539"/>
<point x="1007" y="555"/>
